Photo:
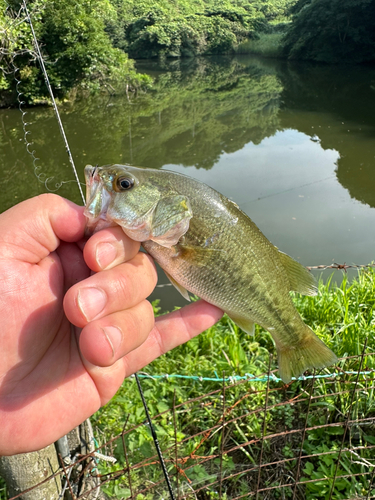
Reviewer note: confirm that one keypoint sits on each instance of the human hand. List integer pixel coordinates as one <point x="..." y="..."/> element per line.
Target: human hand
<point x="54" y="375"/>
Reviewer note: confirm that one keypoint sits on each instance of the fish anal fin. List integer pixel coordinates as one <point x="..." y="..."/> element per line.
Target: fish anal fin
<point x="245" y="324"/>
<point x="300" y="278"/>
<point x="179" y="287"/>
<point x="309" y="354"/>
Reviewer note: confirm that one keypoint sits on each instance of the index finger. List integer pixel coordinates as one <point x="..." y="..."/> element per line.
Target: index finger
<point x="108" y="248"/>
<point x="172" y="330"/>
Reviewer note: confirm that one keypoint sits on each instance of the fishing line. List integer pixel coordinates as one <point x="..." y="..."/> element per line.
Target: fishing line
<point x="155" y="438"/>
<point x="41" y="62"/>
<point x="289" y="189"/>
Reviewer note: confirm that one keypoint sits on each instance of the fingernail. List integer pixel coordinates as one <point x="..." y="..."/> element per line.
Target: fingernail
<point x="106" y="253"/>
<point x="91" y="301"/>
<point x="114" y="337"/>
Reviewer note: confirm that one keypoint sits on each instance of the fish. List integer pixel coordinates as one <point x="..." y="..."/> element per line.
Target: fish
<point x="209" y="247"/>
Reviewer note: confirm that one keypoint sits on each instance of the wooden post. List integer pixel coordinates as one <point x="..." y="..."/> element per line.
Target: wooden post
<point x="24" y="471"/>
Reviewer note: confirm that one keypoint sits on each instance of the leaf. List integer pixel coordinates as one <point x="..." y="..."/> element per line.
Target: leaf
<point x="308" y="469"/>
<point x="335" y="431"/>
<point x="162" y="406"/>
<point x="147" y="449"/>
<point x="369" y="439"/>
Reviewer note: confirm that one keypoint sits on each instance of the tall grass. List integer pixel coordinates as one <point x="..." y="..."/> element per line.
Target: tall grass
<point x="343" y="316"/>
<point x="266" y="45"/>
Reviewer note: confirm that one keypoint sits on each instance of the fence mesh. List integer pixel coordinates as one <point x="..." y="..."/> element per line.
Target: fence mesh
<point x="252" y="438"/>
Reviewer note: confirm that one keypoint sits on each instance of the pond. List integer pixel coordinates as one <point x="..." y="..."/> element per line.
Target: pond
<point x="292" y="144"/>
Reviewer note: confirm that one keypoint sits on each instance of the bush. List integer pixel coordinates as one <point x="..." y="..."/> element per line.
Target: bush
<point x="76" y="50"/>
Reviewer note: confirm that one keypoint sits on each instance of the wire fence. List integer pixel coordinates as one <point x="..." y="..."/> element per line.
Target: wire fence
<point x="250" y="438"/>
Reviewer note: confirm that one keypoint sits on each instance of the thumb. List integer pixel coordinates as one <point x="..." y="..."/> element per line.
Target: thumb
<point x="33" y="229"/>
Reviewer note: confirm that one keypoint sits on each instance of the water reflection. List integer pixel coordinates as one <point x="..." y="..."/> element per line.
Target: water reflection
<point x="337" y="106"/>
<point x="198" y="119"/>
<point x="292" y="144"/>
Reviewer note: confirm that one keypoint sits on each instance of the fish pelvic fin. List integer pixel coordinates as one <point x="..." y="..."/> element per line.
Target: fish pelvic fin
<point x="300" y="278"/>
<point x="246" y="324"/>
<point x="179" y="287"/>
<point x="310" y="353"/>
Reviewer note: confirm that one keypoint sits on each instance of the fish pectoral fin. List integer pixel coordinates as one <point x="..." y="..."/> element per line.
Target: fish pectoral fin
<point x="309" y="353"/>
<point x="300" y="278"/>
<point x="245" y="324"/>
<point x="201" y="256"/>
<point x="179" y="287"/>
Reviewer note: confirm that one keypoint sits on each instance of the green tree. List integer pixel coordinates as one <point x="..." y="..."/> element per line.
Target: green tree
<point x="332" y="31"/>
<point x="182" y="28"/>
<point x="76" y="49"/>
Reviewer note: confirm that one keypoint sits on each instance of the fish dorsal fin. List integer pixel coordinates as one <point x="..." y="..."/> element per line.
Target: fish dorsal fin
<point x="300" y="278"/>
<point x="179" y="287"/>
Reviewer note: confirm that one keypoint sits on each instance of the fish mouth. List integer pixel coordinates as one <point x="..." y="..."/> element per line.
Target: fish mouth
<point x="97" y="202"/>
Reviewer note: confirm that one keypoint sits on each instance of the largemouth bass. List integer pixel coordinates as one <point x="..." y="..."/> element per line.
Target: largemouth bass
<point x="206" y="245"/>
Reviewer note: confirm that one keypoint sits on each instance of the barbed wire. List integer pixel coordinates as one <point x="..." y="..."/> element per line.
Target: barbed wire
<point x="249" y="377"/>
<point x="335" y="266"/>
<point x="342" y="267"/>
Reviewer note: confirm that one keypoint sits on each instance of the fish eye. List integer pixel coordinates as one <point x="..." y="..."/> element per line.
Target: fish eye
<point x="124" y="183"/>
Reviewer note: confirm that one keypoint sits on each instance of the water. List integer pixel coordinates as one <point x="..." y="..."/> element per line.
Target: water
<point x="292" y="144"/>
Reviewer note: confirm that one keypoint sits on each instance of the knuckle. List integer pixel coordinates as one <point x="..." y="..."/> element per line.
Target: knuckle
<point x="125" y="289"/>
<point x="141" y="319"/>
<point x="132" y="282"/>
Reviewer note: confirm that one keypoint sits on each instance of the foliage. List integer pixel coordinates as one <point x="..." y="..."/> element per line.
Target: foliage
<point x="85" y="44"/>
<point x="343" y="315"/>
<point x="75" y="47"/>
<point x="183" y="28"/>
<point x="332" y="31"/>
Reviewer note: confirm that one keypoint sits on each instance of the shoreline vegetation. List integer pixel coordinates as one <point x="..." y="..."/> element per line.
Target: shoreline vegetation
<point x="91" y="46"/>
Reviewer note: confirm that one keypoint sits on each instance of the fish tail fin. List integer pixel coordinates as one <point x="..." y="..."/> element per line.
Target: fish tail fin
<point x="311" y="353"/>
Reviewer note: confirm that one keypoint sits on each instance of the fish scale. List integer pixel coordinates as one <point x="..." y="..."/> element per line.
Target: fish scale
<point x="209" y="247"/>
